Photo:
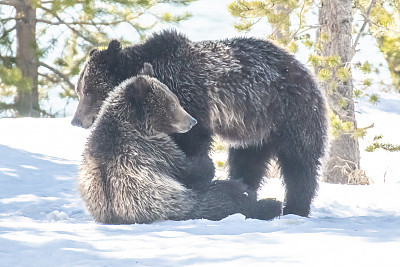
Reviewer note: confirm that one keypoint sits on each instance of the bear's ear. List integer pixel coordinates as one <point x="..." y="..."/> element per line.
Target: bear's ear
<point x="93" y="52"/>
<point x="147" y="70"/>
<point x="114" y="46"/>
<point x="141" y="88"/>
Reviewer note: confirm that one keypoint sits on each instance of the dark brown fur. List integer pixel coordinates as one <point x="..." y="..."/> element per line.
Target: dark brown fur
<point x="254" y="95"/>
<point x="133" y="172"/>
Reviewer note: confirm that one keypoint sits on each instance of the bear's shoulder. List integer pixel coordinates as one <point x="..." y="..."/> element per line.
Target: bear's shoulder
<point x="166" y="42"/>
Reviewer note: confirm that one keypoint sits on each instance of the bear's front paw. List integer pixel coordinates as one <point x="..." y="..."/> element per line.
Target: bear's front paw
<point x="268" y="208"/>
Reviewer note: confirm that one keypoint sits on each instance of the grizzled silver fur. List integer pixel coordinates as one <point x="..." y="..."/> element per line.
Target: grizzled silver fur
<point x="133" y="172"/>
<point x="254" y="95"/>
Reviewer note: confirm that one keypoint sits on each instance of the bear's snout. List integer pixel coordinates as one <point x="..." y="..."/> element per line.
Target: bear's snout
<point x="76" y="122"/>
<point x="193" y="122"/>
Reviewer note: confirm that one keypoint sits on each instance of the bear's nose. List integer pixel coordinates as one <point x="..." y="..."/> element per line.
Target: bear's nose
<point x="193" y="122"/>
<point x="76" y="122"/>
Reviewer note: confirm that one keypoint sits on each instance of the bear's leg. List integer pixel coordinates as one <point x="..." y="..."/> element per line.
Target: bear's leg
<point x="196" y="144"/>
<point x="249" y="165"/>
<point x="199" y="172"/>
<point x="300" y="178"/>
<point x="223" y="198"/>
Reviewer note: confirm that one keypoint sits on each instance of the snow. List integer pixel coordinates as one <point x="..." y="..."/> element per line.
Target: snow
<point x="43" y="221"/>
<point x="386" y="122"/>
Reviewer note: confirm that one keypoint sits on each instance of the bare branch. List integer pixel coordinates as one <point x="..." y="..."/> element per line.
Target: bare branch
<point x="58" y="73"/>
<point x="286" y="15"/>
<point x="366" y="20"/>
<point x="5" y="32"/>
<point x="7" y="58"/>
<point x="367" y="127"/>
<point x="382" y="27"/>
<point x="51" y="2"/>
<point x="9" y="3"/>
<point x="6" y="106"/>
<point x="79" y="22"/>
<point x="5" y="20"/>
<point x="69" y="26"/>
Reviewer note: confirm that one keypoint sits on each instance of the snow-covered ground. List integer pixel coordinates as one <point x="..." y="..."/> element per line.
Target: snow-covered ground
<point x="43" y="221"/>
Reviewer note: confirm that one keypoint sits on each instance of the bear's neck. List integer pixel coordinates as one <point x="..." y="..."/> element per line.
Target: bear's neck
<point x="130" y="61"/>
<point x="131" y="121"/>
<point x="157" y="50"/>
<point x="113" y="136"/>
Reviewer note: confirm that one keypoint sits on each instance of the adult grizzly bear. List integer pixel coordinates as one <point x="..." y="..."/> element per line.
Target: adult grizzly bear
<point x="249" y="92"/>
<point x="132" y="170"/>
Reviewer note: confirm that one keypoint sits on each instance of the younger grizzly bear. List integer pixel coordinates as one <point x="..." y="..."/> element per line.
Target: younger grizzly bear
<point x="252" y="94"/>
<point x="133" y="172"/>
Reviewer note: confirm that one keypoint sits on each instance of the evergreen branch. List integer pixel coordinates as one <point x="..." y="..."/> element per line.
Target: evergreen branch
<point x="177" y="2"/>
<point x="252" y="23"/>
<point x="50" y="78"/>
<point x="6" y="106"/>
<point x="286" y="15"/>
<point x="385" y="146"/>
<point x="58" y="73"/>
<point x="366" y="20"/>
<point x="304" y="29"/>
<point x="51" y="2"/>
<point x="382" y="27"/>
<point x="84" y="27"/>
<point x="7" y="58"/>
<point x="48" y="114"/>
<point x="367" y="127"/>
<point x="69" y="26"/>
<point x="6" y="32"/>
<point x="301" y="29"/>
<point x="300" y="21"/>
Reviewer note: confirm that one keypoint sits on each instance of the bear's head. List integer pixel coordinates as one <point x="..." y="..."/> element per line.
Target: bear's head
<point x="148" y="104"/>
<point x="97" y="78"/>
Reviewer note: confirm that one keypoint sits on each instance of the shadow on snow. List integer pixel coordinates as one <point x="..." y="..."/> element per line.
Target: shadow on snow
<point x="37" y="189"/>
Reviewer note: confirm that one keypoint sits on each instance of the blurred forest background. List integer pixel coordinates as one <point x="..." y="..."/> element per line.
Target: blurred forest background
<point x="43" y="45"/>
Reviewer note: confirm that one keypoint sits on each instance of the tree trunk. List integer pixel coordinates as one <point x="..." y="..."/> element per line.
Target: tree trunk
<point x="335" y="18"/>
<point x="27" y="99"/>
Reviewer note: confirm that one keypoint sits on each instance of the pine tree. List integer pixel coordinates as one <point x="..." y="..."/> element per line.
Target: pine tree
<point x="335" y="18"/>
<point x="384" y="25"/>
<point x="32" y="30"/>
<point x="332" y="56"/>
